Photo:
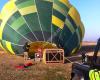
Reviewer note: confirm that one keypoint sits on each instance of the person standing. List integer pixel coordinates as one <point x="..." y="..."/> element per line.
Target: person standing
<point x="38" y="55"/>
<point x="26" y="50"/>
<point x="97" y="47"/>
<point x="83" y="56"/>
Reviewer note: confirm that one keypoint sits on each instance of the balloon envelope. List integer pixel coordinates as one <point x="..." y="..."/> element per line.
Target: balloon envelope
<point x="53" y="21"/>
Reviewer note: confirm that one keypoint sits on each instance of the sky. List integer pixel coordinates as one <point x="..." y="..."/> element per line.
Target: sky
<point x="90" y="15"/>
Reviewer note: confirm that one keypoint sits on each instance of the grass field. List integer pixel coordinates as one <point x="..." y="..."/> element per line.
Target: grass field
<point x="38" y="71"/>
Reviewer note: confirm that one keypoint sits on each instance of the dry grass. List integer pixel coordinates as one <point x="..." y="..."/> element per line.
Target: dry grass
<point x="91" y="53"/>
<point x="38" y="71"/>
<point x="86" y="43"/>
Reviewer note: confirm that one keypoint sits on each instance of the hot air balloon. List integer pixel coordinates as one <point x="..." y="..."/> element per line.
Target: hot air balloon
<point x="42" y="23"/>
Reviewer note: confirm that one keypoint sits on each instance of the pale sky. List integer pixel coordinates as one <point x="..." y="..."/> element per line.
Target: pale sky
<point x="90" y="15"/>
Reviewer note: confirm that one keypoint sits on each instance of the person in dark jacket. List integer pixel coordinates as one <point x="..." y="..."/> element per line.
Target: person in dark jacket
<point x="26" y="47"/>
<point x="97" y="47"/>
<point x="26" y="50"/>
<point x="83" y="56"/>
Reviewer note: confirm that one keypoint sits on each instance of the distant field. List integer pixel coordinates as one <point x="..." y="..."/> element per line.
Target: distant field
<point x="91" y="53"/>
<point x="86" y="43"/>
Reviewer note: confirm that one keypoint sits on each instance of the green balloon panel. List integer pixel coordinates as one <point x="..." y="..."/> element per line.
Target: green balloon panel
<point x="54" y="21"/>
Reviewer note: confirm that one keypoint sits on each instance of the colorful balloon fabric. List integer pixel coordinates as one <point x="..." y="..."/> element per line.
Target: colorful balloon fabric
<point x="54" y="21"/>
<point x="94" y="74"/>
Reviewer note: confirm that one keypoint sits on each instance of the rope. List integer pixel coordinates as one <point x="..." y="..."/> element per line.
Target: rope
<point x="68" y="60"/>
